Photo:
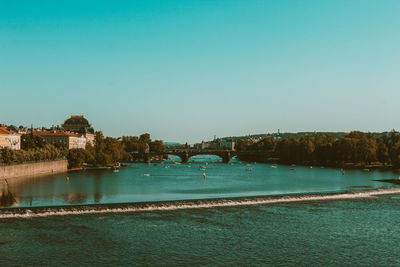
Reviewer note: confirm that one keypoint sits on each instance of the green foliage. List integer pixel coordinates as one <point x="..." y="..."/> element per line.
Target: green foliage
<point x="106" y="151"/>
<point x="157" y="146"/>
<point x="142" y="143"/>
<point x="7" y="156"/>
<point x="29" y="141"/>
<point x="355" y="147"/>
<point x="76" y="157"/>
<point x="47" y="152"/>
<point x="12" y="128"/>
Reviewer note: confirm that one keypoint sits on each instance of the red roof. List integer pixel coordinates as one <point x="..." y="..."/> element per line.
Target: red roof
<point x="58" y="134"/>
<point x="3" y="130"/>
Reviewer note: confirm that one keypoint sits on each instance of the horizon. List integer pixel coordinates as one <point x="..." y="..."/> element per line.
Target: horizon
<point x="218" y="137"/>
<point x="185" y="71"/>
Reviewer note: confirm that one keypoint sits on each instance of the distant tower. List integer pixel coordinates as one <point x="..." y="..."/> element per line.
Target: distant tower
<point x="215" y="137"/>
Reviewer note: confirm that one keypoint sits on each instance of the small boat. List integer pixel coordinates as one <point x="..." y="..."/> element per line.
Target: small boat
<point x="292" y="169"/>
<point x="273" y="166"/>
<point x="248" y="169"/>
<point x="146" y="174"/>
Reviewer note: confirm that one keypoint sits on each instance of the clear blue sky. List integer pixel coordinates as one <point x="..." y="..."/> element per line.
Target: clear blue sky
<point x="186" y="70"/>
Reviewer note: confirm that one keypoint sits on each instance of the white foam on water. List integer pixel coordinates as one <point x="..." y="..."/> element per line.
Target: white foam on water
<point x="194" y="204"/>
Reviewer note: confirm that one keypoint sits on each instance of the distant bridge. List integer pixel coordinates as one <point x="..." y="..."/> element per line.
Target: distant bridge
<point x="186" y="154"/>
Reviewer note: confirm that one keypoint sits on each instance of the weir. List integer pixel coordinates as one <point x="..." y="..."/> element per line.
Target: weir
<point x="185" y="204"/>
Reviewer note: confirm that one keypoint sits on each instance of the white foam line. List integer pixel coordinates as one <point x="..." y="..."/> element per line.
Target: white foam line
<point x="202" y="204"/>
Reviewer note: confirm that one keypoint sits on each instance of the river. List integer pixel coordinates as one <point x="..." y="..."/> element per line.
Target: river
<point x="168" y="214"/>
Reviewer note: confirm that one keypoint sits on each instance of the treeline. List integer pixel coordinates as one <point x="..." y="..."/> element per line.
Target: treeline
<point x="356" y="148"/>
<point x="46" y="152"/>
<point x="106" y="151"/>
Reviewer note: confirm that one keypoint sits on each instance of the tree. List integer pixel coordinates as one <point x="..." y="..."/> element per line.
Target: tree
<point x="157" y="146"/>
<point x="131" y="143"/>
<point x="382" y="152"/>
<point x="286" y="150"/>
<point x="29" y="141"/>
<point x="145" y="138"/>
<point x="267" y="144"/>
<point x="76" y="157"/>
<point x="7" y="155"/>
<point x="306" y="149"/>
<point x="12" y="128"/>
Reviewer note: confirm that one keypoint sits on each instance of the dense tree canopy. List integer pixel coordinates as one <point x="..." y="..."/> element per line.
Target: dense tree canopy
<point x="355" y="147"/>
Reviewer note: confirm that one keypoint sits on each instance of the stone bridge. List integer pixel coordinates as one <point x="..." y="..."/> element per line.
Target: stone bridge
<point x="186" y="154"/>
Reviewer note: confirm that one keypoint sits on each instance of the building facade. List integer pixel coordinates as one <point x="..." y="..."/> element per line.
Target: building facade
<point x="68" y="140"/>
<point x="217" y="144"/>
<point x="9" y="139"/>
<point x="90" y="139"/>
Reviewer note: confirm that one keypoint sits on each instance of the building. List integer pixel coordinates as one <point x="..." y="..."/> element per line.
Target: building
<point x="9" y="139"/>
<point x="90" y="138"/>
<point x="80" y="125"/>
<point x="68" y="140"/>
<point x="77" y="124"/>
<point x="217" y="144"/>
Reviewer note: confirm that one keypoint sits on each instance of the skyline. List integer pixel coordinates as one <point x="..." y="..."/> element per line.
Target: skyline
<point x="185" y="71"/>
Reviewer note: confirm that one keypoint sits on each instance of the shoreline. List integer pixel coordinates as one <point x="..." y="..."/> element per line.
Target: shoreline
<point x="159" y="206"/>
<point x="345" y="166"/>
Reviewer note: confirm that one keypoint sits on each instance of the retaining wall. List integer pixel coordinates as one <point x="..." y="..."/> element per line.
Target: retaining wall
<point x="33" y="169"/>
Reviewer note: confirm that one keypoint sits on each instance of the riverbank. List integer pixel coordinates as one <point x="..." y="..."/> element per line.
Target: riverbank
<point x="41" y="168"/>
<point x="348" y="165"/>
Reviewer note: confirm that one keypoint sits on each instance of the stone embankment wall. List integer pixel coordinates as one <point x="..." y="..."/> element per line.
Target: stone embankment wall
<point x="33" y="169"/>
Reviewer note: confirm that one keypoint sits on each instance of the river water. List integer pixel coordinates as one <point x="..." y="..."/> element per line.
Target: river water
<point x="97" y="217"/>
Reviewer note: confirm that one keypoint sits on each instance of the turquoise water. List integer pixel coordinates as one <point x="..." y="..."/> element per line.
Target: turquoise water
<point x="103" y="222"/>
<point x="162" y="182"/>
<point x="360" y="232"/>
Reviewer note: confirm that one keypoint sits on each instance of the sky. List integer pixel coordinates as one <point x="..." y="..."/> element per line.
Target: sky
<point x="188" y="70"/>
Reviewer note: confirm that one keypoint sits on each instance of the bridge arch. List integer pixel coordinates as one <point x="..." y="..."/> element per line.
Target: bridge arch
<point x="174" y="155"/>
<point x="224" y="155"/>
<point x="195" y="158"/>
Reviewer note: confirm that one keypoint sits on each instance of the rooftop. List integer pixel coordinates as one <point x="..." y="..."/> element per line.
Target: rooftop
<point x="58" y="134"/>
<point x="3" y="130"/>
